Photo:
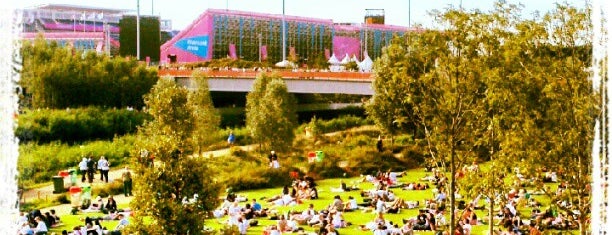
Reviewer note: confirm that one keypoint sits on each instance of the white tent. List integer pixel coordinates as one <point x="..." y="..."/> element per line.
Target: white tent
<point x="334" y="64"/>
<point x="366" y="64"/>
<point x="346" y="59"/>
<point x="285" y="64"/>
<point x="333" y="60"/>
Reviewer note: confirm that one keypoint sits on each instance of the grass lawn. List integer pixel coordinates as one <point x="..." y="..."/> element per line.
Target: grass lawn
<point x="325" y="198"/>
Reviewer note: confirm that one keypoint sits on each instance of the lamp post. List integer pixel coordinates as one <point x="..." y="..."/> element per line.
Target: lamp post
<point x="259" y="37"/>
<point x="138" y="29"/>
<point x="284" y="39"/>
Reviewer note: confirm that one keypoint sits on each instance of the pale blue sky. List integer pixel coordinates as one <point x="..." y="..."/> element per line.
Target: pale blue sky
<point x="183" y="12"/>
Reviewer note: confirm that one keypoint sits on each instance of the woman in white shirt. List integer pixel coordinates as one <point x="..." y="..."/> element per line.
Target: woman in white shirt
<point x="41" y="227"/>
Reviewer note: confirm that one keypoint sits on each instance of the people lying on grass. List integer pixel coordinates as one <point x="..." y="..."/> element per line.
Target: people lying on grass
<point x="96" y="205"/>
<point x="284" y="200"/>
<point x="276" y="197"/>
<point x="395" y="206"/>
<point x="317" y="220"/>
<point x="372" y="225"/>
<point x="123" y="222"/>
<point x="343" y="188"/>
<point x="109" y="216"/>
<point x="415" y="186"/>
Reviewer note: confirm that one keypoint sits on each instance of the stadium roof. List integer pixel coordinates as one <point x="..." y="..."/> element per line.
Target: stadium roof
<point x="66" y="7"/>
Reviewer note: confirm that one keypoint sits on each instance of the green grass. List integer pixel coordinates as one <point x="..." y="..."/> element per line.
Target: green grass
<point x="325" y="198"/>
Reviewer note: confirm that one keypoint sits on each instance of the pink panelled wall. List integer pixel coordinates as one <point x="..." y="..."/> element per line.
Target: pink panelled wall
<point x="346" y="45"/>
<point x="200" y="27"/>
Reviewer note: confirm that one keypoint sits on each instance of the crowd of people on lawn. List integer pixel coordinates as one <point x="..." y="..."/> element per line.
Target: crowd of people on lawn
<point x="37" y="223"/>
<point x="379" y="200"/>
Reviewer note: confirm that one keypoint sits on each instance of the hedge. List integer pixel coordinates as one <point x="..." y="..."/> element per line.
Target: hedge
<point x="77" y="125"/>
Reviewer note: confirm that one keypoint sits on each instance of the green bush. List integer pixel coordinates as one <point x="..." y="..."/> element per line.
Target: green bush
<point x="77" y="125"/>
<point x="337" y="124"/>
<point x="237" y="152"/>
<point x="112" y="188"/>
<point x="253" y="175"/>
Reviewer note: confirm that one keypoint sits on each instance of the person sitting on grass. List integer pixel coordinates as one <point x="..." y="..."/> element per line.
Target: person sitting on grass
<point x="337" y="204"/>
<point x="111" y="204"/>
<point x="41" y="227"/>
<point x="422" y="221"/>
<point x="351" y="205"/>
<point x="25" y="229"/>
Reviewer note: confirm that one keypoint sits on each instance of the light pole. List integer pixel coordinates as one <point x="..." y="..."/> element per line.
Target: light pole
<point x="409" y="11"/>
<point x="138" y="29"/>
<point x="259" y="37"/>
<point x="284" y="39"/>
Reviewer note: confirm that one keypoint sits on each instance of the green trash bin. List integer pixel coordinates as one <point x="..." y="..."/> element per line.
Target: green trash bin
<point x="320" y="155"/>
<point x="58" y="184"/>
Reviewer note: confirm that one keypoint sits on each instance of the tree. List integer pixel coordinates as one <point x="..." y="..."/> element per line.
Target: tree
<point x="270" y="113"/>
<point x="207" y="118"/>
<point x="61" y="77"/>
<point x="160" y="188"/>
<point x="395" y="80"/>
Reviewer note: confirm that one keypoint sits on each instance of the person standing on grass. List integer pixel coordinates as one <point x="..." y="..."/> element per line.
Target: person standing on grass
<point x="231" y="139"/>
<point x="379" y="144"/>
<point x="127" y="182"/>
<point x="104" y="167"/>
<point x="83" y="169"/>
<point x="91" y="168"/>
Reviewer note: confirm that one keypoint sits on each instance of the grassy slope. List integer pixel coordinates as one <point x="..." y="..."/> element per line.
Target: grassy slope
<point x="326" y="197"/>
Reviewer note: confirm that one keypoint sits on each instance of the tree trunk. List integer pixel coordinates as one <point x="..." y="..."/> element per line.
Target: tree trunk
<point x="452" y="188"/>
<point x="491" y="207"/>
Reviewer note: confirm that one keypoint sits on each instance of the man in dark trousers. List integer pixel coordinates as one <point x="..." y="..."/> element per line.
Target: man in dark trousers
<point x="379" y="144"/>
<point x="91" y="168"/>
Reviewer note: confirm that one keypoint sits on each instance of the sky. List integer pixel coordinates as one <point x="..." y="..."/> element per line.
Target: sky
<point x="397" y="12"/>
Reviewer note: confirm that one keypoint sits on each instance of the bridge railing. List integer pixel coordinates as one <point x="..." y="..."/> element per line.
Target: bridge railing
<point x="284" y="73"/>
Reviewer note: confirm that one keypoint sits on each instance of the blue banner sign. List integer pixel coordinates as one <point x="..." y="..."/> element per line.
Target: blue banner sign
<point x="194" y="45"/>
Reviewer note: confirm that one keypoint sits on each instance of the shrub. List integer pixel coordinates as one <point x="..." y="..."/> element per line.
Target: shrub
<point x="237" y="152"/>
<point x="77" y="125"/>
<point x="112" y="188"/>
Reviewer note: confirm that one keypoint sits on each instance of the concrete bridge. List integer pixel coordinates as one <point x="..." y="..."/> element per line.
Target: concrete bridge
<point x="353" y="83"/>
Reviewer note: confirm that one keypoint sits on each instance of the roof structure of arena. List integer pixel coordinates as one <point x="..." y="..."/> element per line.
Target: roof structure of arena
<point x="76" y="8"/>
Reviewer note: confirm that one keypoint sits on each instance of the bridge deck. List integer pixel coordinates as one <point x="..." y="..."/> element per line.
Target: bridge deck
<point x="297" y="82"/>
<point x="283" y="73"/>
